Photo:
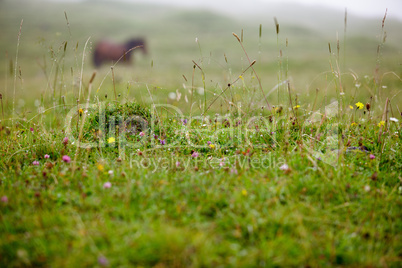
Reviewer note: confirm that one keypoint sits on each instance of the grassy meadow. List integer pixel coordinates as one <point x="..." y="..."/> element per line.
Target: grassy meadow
<point x="237" y="141"/>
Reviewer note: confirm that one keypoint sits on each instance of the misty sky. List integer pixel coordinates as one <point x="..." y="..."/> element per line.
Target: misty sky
<point x="367" y="8"/>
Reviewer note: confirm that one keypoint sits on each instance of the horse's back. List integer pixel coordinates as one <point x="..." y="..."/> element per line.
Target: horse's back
<point x="108" y="51"/>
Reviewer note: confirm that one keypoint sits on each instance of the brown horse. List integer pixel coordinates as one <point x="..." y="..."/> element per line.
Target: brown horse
<point x="106" y="51"/>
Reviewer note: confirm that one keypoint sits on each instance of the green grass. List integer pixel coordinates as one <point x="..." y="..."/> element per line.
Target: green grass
<point x="211" y="176"/>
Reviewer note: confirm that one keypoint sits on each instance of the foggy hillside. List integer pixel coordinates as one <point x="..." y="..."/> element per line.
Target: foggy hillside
<point x="171" y="30"/>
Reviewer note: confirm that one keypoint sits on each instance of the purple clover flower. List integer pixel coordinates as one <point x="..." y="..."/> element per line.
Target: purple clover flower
<point x="65" y="141"/>
<point x="66" y="159"/>
<point x="4" y="199"/>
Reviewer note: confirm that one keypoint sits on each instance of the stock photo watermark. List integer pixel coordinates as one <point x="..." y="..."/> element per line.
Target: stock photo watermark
<point x="133" y="132"/>
<point x="268" y="161"/>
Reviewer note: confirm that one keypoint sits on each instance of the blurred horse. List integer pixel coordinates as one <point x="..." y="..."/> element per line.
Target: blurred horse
<point x="107" y="51"/>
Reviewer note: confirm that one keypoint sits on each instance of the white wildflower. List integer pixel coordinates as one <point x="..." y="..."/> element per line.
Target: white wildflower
<point x="284" y="167"/>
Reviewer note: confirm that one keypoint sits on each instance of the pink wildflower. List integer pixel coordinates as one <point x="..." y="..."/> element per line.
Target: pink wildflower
<point x="103" y="261"/>
<point x="4" y="199"/>
<point x="195" y="154"/>
<point x="222" y="163"/>
<point x="65" y="141"/>
<point x="66" y="158"/>
<point x="233" y="171"/>
<point x="142" y="134"/>
<point x="35" y="163"/>
<point x="107" y="185"/>
<point x="372" y="156"/>
<point x="47" y="156"/>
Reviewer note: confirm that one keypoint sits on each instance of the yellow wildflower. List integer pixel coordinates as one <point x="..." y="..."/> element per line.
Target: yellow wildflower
<point x="278" y="109"/>
<point x="359" y="105"/>
<point x="351" y="107"/>
<point x="353" y="124"/>
<point x="241" y="77"/>
<point x="80" y="111"/>
<point x="296" y="107"/>
<point x="244" y="192"/>
<point x="381" y="124"/>
<point x="212" y="146"/>
<point x="100" y="167"/>
<point x="111" y="140"/>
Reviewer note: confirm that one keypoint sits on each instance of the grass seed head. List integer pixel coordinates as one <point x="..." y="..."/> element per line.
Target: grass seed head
<point x="276" y="25"/>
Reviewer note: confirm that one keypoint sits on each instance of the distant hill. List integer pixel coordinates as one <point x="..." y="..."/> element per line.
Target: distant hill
<point x="171" y="30"/>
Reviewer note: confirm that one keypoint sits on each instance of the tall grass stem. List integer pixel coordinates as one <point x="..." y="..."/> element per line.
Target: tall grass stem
<point x="15" y="67"/>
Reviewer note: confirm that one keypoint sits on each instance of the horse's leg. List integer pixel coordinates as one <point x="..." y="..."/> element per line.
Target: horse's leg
<point x="97" y="58"/>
